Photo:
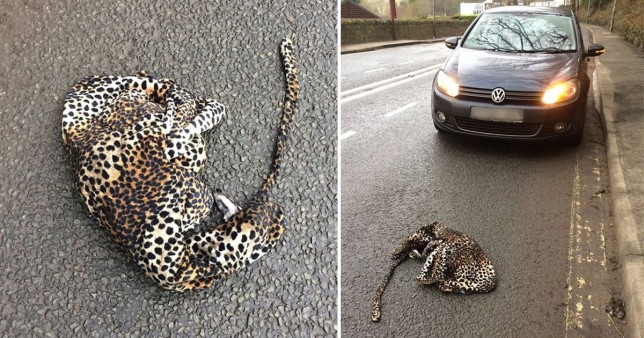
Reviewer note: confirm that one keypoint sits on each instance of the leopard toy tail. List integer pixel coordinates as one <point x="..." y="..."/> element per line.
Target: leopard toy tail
<point x="249" y="233"/>
<point x="376" y="301"/>
<point x="289" y="109"/>
<point x="411" y="243"/>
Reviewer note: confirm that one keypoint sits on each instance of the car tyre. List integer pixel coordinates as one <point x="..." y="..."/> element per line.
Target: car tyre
<point x="575" y="139"/>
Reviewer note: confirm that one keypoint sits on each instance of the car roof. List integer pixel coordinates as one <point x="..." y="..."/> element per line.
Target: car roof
<point x="530" y="9"/>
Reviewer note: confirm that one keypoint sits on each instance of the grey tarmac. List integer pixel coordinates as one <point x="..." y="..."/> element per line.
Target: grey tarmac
<point x="63" y="275"/>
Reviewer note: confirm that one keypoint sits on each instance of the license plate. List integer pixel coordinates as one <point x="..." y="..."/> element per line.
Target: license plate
<point x="497" y="114"/>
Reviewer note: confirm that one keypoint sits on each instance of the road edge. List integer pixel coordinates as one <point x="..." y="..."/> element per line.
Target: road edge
<point x="632" y="268"/>
<point x="387" y="44"/>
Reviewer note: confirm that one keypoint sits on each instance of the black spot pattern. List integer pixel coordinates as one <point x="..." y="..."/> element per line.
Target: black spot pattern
<point x="136" y="146"/>
<point x="453" y="261"/>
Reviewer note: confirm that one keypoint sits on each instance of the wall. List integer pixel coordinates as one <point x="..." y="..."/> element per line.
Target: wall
<point x="362" y="31"/>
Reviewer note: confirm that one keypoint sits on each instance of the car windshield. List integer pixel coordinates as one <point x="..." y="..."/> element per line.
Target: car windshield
<point x="524" y="33"/>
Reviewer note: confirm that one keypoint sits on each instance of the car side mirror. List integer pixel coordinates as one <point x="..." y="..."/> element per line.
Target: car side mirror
<point x="452" y="42"/>
<point x="595" y="50"/>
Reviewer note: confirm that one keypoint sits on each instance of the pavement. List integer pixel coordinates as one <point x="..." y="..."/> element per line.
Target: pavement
<point x="619" y="88"/>
<point x="62" y="275"/>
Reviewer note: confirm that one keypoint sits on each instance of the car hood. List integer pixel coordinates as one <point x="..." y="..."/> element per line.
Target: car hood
<point x="532" y="72"/>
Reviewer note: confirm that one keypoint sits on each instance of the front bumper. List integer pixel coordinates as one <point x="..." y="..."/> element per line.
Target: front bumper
<point x="538" y="120"/>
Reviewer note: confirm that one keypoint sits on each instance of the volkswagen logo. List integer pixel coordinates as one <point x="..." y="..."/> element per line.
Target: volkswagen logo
<point x="498" y="95"/>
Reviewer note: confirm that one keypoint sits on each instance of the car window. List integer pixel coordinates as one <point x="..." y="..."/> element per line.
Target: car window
<point x="530" y="33"/>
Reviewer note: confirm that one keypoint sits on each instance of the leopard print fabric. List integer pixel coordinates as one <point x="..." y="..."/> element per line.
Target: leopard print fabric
<point x="453" y="261"/>
<point x="137" y="145"/>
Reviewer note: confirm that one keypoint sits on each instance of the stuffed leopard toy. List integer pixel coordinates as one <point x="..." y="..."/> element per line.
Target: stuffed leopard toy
<point x="453" y="261"/>
<point x="136" y="145"/>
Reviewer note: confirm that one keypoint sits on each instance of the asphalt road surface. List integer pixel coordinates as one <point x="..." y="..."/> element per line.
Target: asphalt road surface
<point x="540" y="212"/>
<point x="62" y="274"/>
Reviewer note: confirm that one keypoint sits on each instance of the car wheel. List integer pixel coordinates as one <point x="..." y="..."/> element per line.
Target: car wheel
<point x="575" y="139"/>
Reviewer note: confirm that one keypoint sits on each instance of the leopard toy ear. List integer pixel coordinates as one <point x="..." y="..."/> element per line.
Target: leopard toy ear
<point x="429" y="229"/>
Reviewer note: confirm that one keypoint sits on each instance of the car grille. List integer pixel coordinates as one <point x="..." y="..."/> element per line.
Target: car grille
<point x="485" y="95"/>
<point x="497" y="128"/>
<point x="449" y="121"/>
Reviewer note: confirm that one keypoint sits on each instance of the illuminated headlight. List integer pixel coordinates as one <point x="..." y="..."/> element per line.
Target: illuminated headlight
<point x="560" y="92"/>
<point x="446" y="84"/>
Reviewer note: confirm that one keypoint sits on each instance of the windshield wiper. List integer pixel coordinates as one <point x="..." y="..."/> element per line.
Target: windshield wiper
<point x="549" y="50"/>
<point x="503" y="50"/>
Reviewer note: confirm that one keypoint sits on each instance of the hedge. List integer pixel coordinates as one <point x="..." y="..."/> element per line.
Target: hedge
<point x="363" y="31"/>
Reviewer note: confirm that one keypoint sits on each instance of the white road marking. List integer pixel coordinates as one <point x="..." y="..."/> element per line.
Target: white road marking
<point x="401" y="109"/>
<point x="347" y="135"/>
<point x="586" y="250"/>
<point x="597" y="172"/>
<point x="342" y="77"/>
<point x="379" y="89"/>
<point x="573" y="250"/>
<point x="389" y="80"/>
<point x="574" y="205"/>
<point x="374" y="70"/>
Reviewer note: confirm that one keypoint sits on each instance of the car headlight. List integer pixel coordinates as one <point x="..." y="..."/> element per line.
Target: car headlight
<point x="560" y="92"/>
<point x="446" y="84"/>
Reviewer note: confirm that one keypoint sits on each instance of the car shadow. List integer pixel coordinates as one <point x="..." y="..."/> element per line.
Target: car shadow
<point x="505" y="148"/>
